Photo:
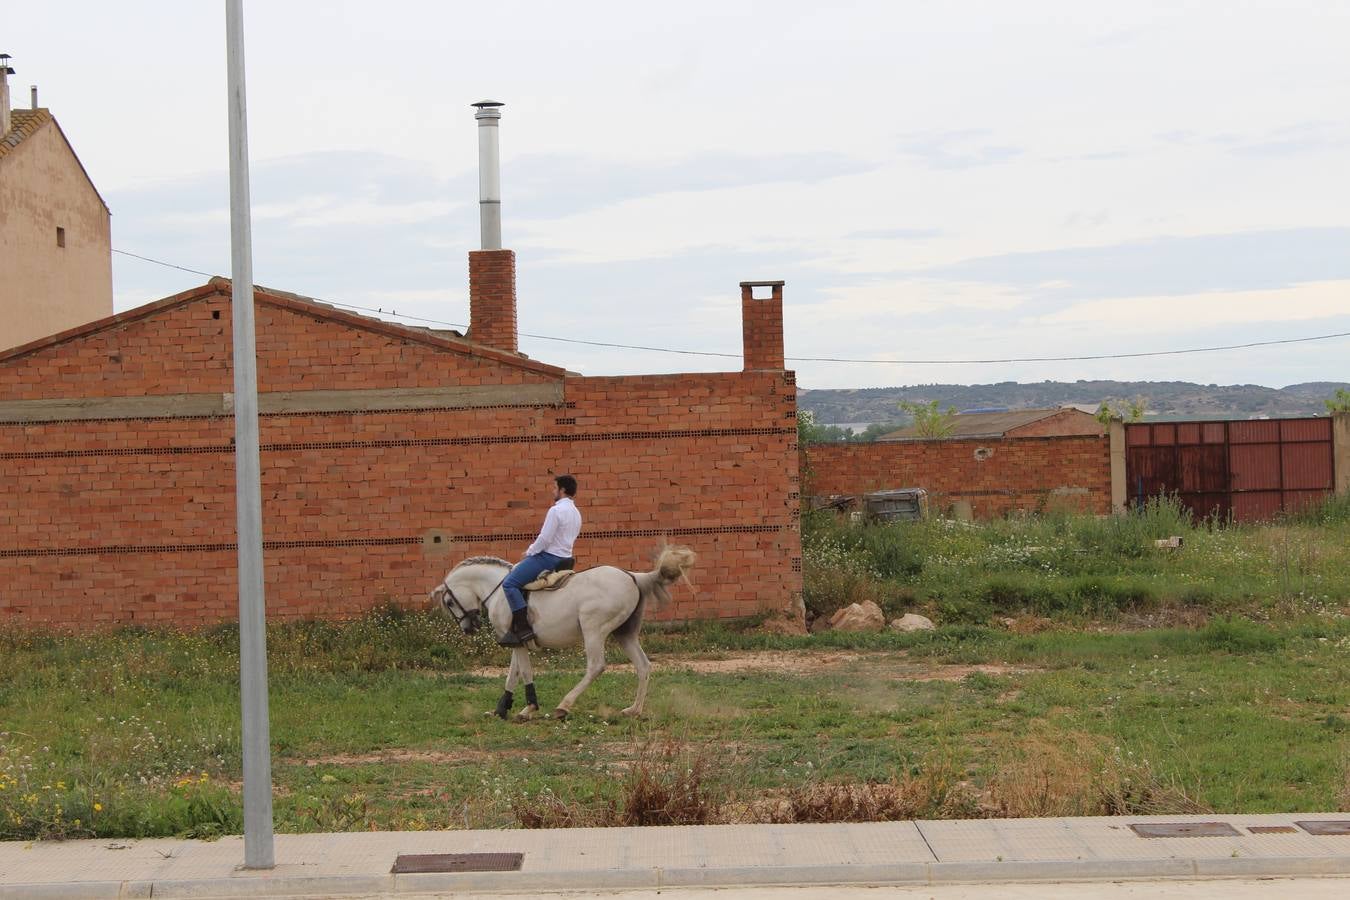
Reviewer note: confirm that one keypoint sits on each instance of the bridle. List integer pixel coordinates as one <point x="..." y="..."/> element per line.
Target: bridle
<point x="465" y="618"/>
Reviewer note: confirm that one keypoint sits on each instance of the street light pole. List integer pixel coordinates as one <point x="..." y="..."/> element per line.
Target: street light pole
<point x="258" y="842"/>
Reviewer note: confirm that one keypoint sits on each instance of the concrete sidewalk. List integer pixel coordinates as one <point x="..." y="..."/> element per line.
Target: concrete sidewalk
<point x="988" y="850"/>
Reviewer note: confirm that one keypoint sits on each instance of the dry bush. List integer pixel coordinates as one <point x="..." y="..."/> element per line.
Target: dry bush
<point x="1073" y="775"/>
<point x="547" y="810"/>
<point x="667" y="784"/>
<point x="936" y="790"/>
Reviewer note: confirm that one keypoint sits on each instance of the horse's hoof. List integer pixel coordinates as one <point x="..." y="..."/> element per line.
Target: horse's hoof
<point x="560" y="714"/>
<point x="527" y="713"/>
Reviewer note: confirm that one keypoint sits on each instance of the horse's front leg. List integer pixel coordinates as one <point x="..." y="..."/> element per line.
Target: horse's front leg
<point x="520" y="661"/>
<point x="508" y="697"/>
<point x="595" y="664"/>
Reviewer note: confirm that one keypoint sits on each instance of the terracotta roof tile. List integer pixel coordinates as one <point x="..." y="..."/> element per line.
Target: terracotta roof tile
<point x="22" y="123"/>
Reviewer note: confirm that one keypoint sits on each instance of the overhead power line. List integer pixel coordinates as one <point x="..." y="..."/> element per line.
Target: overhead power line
<point x="815" y="359"/>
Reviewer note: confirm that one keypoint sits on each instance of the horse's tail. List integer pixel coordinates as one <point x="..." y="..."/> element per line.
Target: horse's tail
<point x="671" y="566"/>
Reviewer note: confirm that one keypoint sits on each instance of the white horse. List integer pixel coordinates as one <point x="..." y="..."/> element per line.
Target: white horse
<point x="591" y="606"/>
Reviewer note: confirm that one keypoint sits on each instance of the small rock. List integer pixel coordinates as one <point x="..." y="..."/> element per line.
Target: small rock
<point x="912" y="622"/>
<point x="865" y="616"/>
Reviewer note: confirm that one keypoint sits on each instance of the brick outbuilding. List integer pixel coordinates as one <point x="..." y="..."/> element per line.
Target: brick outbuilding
<point x="388" y="453"/>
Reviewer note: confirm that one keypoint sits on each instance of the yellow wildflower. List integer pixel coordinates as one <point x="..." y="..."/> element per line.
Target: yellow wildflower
<point x="98" y="807"/>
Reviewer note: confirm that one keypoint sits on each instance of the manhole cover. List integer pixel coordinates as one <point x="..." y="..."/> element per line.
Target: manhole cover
<point x="1333" y="826"/>
<point x="1185" y="829"/>
<point x="1272" y="829"/>
<point x="411" y="863"/>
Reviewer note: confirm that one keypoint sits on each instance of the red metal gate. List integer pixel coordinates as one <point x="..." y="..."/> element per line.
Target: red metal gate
<point x="1248" y="470"/>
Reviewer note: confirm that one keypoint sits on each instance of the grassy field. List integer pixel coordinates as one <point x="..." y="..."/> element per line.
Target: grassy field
<point x="1048" y="688"/>
<point x="1076" y="568"/>
<point x="379" y="723"/>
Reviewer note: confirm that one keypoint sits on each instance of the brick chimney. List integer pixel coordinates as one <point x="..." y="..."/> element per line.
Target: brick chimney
<point x="492" y="270"/>
<point x="492" y="298"/>
<point x="762" y="326"/>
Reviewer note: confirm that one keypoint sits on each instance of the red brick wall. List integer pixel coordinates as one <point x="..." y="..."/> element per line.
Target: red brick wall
<point x="105" y="522"/>
<point x="1016" y="474"/>
<point x="492" y="298"/>
<point x="1066" y="421"/>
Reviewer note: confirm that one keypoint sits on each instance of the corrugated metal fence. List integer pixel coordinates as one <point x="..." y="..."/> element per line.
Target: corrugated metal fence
<point x="1250" y="470"/>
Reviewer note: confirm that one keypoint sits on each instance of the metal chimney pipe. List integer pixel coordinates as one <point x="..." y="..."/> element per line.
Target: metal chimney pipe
<point x="32" y="93"/>
<point x="5" y="72"/>
<point x="489" y="174"/>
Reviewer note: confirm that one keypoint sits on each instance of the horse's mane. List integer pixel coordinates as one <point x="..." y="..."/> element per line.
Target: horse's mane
<point x="483" y="561"/>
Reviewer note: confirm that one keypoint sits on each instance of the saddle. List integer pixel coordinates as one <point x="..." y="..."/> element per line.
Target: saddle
<point x="551" y="581"/>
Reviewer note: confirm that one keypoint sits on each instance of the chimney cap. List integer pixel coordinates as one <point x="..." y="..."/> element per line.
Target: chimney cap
<point x="487" y="104"/>
<point x="5" y="67"/>
<point x="763" y="283"/>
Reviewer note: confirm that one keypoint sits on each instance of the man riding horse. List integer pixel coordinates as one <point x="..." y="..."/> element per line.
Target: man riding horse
<point x="551" y="549"/>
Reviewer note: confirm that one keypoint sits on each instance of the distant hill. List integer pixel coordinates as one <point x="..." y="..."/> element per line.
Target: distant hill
<point x="1166" y="399"/>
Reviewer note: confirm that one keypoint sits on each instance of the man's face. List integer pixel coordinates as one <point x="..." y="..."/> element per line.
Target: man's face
<point x="558" y="493"/>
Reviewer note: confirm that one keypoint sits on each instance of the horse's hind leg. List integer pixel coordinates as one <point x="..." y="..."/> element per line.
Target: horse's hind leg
<point x="520" y="661"/>
<point x="595" y="664"/>
<point x="643" y="666"/>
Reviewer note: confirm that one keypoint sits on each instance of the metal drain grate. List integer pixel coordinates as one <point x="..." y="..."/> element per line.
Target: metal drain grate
<point x="1185" y="829"/>
<point x="421" y="863"/>
<point x="1272" y="829"/>
<point x="1332" y="826"/>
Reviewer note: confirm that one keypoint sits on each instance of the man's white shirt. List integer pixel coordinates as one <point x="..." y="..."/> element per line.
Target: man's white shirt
<point x="561" y="527"/>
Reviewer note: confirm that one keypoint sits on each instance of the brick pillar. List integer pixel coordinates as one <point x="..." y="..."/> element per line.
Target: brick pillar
<point x="762" y="326"/>
<point x="492" y="298"/>
<point x="1340" y="451"/>
<point x="1116" y="449"/>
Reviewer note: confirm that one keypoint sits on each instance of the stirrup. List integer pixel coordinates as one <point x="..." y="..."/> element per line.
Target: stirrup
<point x="513" y="638"/>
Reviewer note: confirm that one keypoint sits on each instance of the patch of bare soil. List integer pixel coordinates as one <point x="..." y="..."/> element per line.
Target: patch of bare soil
<point x="956" y="673"/>
<point x="892" y="666"/>
<point x="461" y="756"/>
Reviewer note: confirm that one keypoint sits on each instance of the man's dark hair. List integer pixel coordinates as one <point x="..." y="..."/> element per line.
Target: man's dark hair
<point x="568" y="484"/>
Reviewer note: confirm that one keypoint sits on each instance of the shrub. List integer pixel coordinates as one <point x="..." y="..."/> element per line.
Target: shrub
<point x="667" y="784"/>
<point x="1073" y="776"/>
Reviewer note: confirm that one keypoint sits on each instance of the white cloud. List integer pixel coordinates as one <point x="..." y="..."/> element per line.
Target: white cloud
<point x="908" y="297"/>
<point x="1297" y="302"/>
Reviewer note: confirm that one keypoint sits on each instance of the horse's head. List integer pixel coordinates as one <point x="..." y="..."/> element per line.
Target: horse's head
<point x="458" y="601"/>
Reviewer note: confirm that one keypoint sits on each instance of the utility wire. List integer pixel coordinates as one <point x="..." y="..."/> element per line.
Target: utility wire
<point x="160" y="262"/>
<point x="820" y="359"/>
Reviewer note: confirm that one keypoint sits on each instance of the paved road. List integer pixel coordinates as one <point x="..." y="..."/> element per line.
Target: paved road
<point x="1212" y="889"/>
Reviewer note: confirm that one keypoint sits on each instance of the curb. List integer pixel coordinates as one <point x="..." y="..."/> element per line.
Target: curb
<point x="626" y="879"/>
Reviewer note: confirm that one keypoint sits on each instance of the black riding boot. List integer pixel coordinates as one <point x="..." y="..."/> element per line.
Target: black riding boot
<point x="521" y="633"/>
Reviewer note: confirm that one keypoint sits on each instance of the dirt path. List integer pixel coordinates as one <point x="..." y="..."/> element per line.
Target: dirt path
<point x="890" y="665"/>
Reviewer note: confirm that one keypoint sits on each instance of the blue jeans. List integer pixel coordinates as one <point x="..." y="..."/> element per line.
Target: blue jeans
<point x="525" y="571"/>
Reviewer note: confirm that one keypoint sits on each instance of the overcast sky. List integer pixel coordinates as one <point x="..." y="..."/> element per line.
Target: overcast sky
<point x="938" y="181"/>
